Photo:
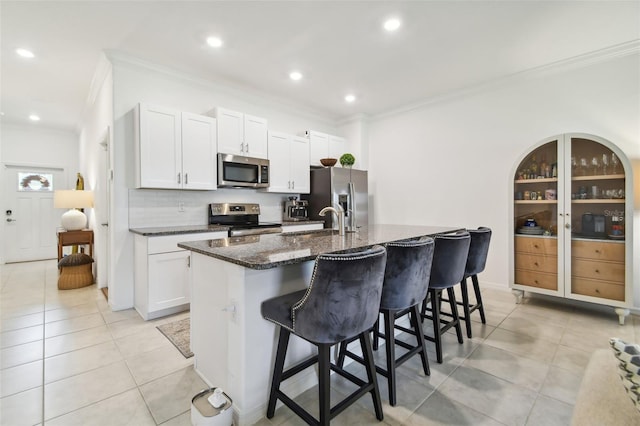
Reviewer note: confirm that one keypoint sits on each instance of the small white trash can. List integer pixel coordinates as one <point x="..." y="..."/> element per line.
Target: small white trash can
<point x="211" y="407"/>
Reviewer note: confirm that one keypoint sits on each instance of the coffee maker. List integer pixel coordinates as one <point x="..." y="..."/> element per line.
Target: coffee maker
<point x="295" y="210"/>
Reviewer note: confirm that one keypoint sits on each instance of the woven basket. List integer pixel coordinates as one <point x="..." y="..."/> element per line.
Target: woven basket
<point x="75" y="271"/>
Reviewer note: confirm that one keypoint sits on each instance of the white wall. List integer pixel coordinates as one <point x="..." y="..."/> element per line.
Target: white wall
<point x="135" y="82"/>
<point x="95" y="128"/>
<point x="450" y="162"/>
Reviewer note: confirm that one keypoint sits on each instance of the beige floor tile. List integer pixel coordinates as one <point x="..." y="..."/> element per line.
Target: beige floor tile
<point x="72" y="312"/>
<point x="125" y="409"/>
<point x="23" y="321"/>
<point x="588" y="339"/>
<point x="521" y="344"/>
<point x="70" y="394"/>
<point x="78" y="340"/>
<point x="21" y="354"/>
<point x="441" y="410"/>
<point x="562" y="385"/>
<point x="79" y="361"/>
<point x="574" y="360"/>
<point x="550" y="412"/>
<point x="508" y="366"/>
<point x="126" y="327"/>
<point x="115" y="316"/>
<point x="72" y="325"/>
<point x="20" y="378"/>
<point x="154" y="364"/>
<point x="145" y="340"/>
<point x="22" y="409"/>
<point x="171" y="395"/>
<point x="493" y="397"/>
<point x="534" y="328"/>
<point x="21" y="336"/>
<point x="181" y="420"/>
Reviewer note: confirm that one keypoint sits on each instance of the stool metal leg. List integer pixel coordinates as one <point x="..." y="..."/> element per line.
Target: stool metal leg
<point x="281" y="353"/>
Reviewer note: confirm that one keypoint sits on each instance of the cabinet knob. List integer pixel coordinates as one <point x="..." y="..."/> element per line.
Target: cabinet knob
<point x="597" y="251"/>
<point x="597" y="291"/>
<point x="536" y="281"/>
<point x="597" y="271"/>
<point x="186" y="178"/>
<point x="567" y="225"/>
<point x="178" y="177"/>
<point x="536" y="264"/>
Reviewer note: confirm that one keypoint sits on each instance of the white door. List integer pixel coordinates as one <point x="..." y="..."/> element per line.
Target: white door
<point x="230" y="132"/>
<point x="160" y="148"/>
<point x="102" y="196"/>
<point x="279" y="179"/>
<point x="199" y="151"/>
<point x="30" y="221"/>
<point x="300" y="175"/>
<point x="255" y="136"/>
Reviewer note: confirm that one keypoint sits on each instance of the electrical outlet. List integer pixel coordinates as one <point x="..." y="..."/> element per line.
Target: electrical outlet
<point x="180" y="207"/>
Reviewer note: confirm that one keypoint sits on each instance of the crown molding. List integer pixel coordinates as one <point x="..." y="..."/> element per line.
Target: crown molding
<point x="233" y="89"/>
<point x="595" y="57"/>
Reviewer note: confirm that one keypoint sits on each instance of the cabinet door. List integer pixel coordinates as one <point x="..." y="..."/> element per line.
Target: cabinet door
<point x="168" y="280"/>
<point x="159" y="152"/>
<point x="279" y="162"/>
<point x="300" y="173"/>
<point x="318" y="147"/>
<point x="230" y="131"/>
<point x="595" y="197"/>
<point x="255" y="136"/>
<point x="199" y="152"/>
<point x="337" y="147"/>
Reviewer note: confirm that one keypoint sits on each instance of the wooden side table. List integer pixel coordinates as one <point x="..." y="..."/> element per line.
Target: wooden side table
<point x="72" y="238"/>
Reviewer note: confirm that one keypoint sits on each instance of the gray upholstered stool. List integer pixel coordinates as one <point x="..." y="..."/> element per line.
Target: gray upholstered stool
<point x="476" y="261"/>
<point x="406" y="280"/>
<point x="447" y="270"/>
<point x="342" y="301"/>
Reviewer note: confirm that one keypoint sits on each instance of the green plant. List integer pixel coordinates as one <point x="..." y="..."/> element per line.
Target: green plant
<point x="347" y="160"/>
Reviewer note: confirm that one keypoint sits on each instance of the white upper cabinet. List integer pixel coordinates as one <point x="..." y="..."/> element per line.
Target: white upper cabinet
<point x="288" y="163"/>
<point x="174" y="150"/>
<point x="241" y="134"/>
<point x="323" y="145"/>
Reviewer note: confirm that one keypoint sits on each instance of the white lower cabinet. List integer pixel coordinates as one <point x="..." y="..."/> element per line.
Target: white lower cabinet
<point x="162" y="273"/>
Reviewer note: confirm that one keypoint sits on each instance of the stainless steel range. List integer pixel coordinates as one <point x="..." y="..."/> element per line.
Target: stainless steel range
<point x="242" y="219"/>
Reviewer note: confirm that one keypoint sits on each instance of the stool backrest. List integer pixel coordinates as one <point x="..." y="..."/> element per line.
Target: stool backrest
<point x="406" y="277"/>
<point x="449" y="259"/>
<point x="478" y="250"/>
<point x="343" y="298"/>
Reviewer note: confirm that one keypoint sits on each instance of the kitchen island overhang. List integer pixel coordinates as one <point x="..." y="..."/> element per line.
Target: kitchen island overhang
<point x="233" y="346"/>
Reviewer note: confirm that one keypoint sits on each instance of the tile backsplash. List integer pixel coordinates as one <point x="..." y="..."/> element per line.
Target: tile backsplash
<point x="152" y="208"/>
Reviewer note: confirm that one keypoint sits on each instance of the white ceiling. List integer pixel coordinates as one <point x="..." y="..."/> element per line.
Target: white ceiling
<point x="339" y="46"/>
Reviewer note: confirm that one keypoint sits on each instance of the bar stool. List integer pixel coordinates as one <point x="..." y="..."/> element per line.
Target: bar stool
<point x="406" y="279"/>
<point x="447" y="270"/>
<point x="342" y="301"/>
<point x="476" y="261"/>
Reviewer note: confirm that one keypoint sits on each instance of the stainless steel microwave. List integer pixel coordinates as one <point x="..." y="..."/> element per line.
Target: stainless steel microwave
<point x="244" y="172"/>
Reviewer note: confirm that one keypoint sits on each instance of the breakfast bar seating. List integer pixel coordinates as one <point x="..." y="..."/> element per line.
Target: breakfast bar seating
<point x="406" y="279"/>
<point x="476" y="261"/>
<point x="447" y="269"/>
<point x="341" y="302"/>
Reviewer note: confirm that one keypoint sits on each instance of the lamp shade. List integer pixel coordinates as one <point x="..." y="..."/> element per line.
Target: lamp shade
<point x="73" y="219"/>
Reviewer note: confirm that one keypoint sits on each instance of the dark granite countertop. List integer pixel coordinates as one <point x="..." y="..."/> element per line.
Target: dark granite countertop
<point x="194" y="229"/>
<point x="272" y="250"/>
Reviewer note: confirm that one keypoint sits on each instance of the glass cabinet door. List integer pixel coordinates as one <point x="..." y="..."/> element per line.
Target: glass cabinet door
<point x="535" y="220"/>
<point x="595" y="192"/>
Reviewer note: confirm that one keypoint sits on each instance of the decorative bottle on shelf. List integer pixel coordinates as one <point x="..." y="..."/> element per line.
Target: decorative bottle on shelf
<point x="533" y="167"/>
<point x="544" y="171"/>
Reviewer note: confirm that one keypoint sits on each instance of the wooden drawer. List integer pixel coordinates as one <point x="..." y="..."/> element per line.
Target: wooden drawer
<point x="538" y="263"/>
<point x="597" y="288"/>
<point x="545" y="246"/>
<point x="598" y="250"/>
<point x="537" y="279"/>
<point x="608" y="271"/>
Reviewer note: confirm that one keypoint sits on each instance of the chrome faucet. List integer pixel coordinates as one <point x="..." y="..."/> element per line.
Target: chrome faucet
<point x="339" y="214"/>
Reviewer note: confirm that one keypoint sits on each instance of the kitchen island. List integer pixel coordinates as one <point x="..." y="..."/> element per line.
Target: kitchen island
<point x="234" y="347"/>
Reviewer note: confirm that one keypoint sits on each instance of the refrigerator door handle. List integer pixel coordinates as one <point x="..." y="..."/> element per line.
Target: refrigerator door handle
<point x="352" y="207"/>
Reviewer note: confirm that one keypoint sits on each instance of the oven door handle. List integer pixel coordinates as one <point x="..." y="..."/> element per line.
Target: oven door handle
<point x="254" y="231"/>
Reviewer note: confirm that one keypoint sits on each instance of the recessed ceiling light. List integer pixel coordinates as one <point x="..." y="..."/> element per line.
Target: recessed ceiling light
<point x="34" y="117"/>
<point x="295" y="75"/>
<point x="25" y="53"/>
<point x="392" y="24"/>
<point x="214" y="41"/>
<point x="350" y="98"/>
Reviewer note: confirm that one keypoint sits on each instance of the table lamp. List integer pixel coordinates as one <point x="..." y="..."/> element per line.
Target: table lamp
<point x="73" y="219"/>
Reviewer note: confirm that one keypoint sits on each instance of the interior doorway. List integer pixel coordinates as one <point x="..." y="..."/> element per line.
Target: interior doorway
<point x="102" y="212"/>
<point x="30" y="221"/>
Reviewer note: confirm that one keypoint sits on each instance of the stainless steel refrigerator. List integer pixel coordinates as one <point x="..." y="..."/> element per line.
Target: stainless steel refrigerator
<point x="339" y="185"/>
